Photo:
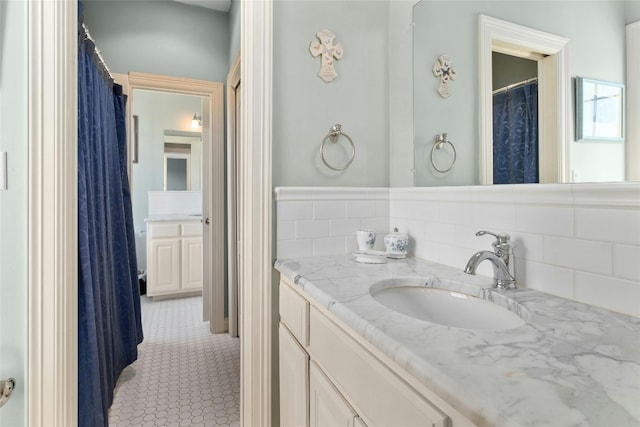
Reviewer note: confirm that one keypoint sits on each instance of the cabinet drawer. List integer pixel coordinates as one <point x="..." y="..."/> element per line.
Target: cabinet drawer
<point x="163" y="230"/>
<point x="192" y="229"/>
<point x="294" y="312"/>
<point x="379" y="396"/>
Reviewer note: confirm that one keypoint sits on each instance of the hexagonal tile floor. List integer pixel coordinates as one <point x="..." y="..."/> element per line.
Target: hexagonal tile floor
<point x="184" y="375"/>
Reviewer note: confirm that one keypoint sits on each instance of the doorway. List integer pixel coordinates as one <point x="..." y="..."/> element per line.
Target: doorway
<point x="551" y="54"/>
<point x="212" y="188"/>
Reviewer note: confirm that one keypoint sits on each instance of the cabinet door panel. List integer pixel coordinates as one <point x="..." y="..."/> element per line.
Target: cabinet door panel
<point x="380" y="396"/>
<point x="191" y="263"/>
<point x="164" y="268"/>
<point x="294" y="381"/>
<point x="327" y="406"/>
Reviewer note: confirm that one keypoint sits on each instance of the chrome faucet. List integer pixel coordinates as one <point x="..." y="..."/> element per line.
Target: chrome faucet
<point x="502" y="259"/>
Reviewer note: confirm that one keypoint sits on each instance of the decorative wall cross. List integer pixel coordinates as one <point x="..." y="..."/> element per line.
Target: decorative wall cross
<point x="443" y="68"/>
<point x="328" y="50"/>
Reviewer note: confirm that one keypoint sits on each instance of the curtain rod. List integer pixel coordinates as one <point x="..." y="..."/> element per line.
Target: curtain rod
<point x="97" y="54"/>
<point x="515" y="85"/>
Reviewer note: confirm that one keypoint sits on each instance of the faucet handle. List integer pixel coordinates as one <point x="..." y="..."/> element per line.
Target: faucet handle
<point x="501" y="239"/>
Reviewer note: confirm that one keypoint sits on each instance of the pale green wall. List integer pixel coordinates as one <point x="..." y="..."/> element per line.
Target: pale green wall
<point x="14" y="208"/>
<point x="234" y="30"/>
<point x="452" y="26"/>
<point x="632" y="11"/>
<point x="305" y="107"/>
<point x="161" y="37"/>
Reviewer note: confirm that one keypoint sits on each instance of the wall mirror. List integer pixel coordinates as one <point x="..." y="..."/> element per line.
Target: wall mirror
<point x="169" y="149"/>
<point x="454" y="28"/>
<point x="599" y="110"/>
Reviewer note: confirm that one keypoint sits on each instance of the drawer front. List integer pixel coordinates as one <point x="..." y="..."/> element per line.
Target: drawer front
<point x="379" y="396"/>
<point x="192" y="229"/>
<point x="294" y="312"/>
<point x="163" y="230"/>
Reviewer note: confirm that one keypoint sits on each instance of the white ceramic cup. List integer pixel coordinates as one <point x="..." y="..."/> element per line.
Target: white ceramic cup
<point x="366" y="238"/>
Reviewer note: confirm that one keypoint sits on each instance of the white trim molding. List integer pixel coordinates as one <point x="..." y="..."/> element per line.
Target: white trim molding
<point x="256" y="262"/>
<point x="553" y="79"/>
<point x="52" y="311"/>
<point x="633" y="102"/>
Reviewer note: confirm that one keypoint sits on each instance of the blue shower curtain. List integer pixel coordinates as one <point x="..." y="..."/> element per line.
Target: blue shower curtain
<point x="109" y="323"/>
<point x="515" y="135"/>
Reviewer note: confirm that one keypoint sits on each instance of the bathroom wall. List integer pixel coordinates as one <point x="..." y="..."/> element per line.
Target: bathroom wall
<point x="305" y="107"/>
<point x="161" y="37"/>
<point x="580" y="242"/>
<point x="234" y="30"/>
<point x="14" y="212"/>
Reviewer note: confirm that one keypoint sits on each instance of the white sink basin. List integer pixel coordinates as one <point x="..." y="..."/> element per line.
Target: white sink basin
<point x="447" y="307"/>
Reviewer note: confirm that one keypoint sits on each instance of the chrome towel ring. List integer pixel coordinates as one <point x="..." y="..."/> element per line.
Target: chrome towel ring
<point x="440" y="141"/>
<point x="332" y="136"/>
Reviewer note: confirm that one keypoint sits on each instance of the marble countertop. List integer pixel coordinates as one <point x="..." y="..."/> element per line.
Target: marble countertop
<point x="571" y="364"/>
<point x="174" y="217"/>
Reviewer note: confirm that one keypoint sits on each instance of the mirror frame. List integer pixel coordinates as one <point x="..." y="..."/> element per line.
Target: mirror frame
<point x="580" y="118"/>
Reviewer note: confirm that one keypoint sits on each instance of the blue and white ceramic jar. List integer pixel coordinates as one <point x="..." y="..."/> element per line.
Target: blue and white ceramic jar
<point x="396" y="244"/>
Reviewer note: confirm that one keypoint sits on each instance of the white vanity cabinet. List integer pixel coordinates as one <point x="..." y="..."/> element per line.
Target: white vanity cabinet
<point x="174" y="257"/>
<point x="342" y="379"/>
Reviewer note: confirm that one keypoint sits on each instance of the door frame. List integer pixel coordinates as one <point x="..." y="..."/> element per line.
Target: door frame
<point x="233" y="208"/>
<point x="52" y="370"/>
<point x="212" y="178"/>
<point x="256" y="261"/>
<point x="554" y="87"/>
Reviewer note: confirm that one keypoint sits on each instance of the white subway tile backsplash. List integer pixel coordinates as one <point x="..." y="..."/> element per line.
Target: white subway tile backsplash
<point x="294" y="248"/>
<point x="549" y="220"/>
<point x="584" y="255"/>
<point x="609" y="225"/>
<point x="329" y="209"/>
<point x="380" y="225"/>
<point x="286" y="230"/>
<point x="312" y="229"/>
<point x="361" y="208"/>
<point x="174" y="202"/>
<point x="329" y="246"/>
<point x="344" y="227"/>
<point x="608" y="292"/>
<point x="494" y="216"/>
<point x="455" y="213"/>
<point x="382" y="208"/>
<point x="294" y="210"/>
<point x="527" y="246"/>
<point x="568" y="240"/>
<point x="626" y="262"/>
<point x="545" y="278"/>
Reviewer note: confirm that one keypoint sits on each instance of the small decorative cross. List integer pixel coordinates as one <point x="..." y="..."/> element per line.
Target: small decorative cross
<point x="328" y="50"/>
<point x="443" y="69"/>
